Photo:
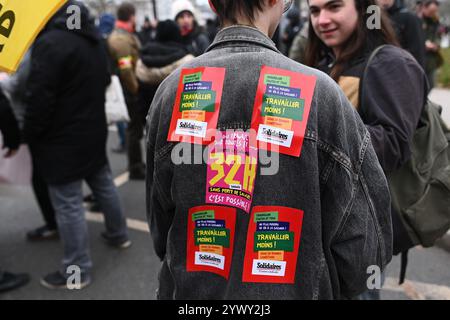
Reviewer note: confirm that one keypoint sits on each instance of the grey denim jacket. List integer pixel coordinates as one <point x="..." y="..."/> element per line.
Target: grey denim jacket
<point x="337" y="182"/>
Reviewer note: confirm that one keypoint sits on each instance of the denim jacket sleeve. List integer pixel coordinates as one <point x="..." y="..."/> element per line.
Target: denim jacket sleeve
<point x="160" y="209"/>
<point x="364" y="237"/>
<point x="355" y="202"/>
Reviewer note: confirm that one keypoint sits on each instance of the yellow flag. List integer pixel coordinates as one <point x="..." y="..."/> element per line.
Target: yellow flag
<point x="20" y="23"/>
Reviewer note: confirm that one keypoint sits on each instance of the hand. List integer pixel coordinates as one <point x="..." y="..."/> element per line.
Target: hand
<point x="430" y="46"/>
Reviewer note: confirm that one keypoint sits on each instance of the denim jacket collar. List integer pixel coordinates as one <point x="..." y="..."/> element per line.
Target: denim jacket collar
<point x="242" y="34"/>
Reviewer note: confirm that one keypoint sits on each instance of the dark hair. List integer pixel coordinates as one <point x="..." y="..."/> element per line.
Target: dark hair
<point x="227" y="10"/>
<point x="361" y="41"/>
<point x="168" y="31"/>
<point x="125" y="11"/>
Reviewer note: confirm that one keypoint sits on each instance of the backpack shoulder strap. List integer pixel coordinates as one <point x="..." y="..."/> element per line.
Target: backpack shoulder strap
<point x="372" y="57"/>
<point x="366" y="69"/>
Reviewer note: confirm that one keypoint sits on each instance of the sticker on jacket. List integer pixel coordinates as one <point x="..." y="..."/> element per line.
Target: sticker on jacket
<point x="231" y="170"/>
<point x="273" y="241"/>
<point x="197" y="105"/>
<point x="281" y="110"/>
<point x="210" y="239"/>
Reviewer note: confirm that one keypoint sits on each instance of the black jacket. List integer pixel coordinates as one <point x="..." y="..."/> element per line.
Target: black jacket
<point x="8" y="124"/>
<point x="65" y="122"/>
<point x="409" y="31"/>
<point x="157" y="55"/>
<point x="395" y="93"/>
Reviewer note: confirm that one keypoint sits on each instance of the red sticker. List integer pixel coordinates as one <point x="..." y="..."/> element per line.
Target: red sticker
<point x="197" y="105"/>
<point x="273" y="242"/>
<point x="231" y="169"/>
<point x="281" y="110"/>
<point x="210" y="239"/>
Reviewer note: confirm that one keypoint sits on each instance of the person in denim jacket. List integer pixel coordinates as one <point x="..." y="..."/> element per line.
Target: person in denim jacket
<point x="337" y="181"/>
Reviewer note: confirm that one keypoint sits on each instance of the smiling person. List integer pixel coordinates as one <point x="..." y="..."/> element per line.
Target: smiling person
<point x="229" y="230"/>
<point x="389" y="93"/>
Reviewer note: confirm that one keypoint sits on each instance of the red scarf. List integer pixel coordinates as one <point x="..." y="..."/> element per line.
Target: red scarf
<point x="185" y="31"/>
<point x="127" y="26"/>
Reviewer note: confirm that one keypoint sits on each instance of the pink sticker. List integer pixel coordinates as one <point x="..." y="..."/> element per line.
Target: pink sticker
<point x="231" y="173"/>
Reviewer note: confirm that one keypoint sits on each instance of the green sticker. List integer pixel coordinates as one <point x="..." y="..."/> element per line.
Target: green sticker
<point x="193" y="77"/>
<point x="213" y="236"/>
<point x="203" y="100"/>
<point x="266" y="216"/>
<point x="283" y="107"/>
<point x="277" y="80"/>
<point x="274" y="240"/>
<point x="203" y="215"/>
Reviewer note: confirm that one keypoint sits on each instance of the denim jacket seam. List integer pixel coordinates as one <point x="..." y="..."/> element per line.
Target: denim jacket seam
<point x="224" y="39"/>
<point x="311" y="135"/>
<point x="347" y="213"/>
<point x="161" y="194"/>
<point x="323" y="263"/>
<point x="242" y="47"/>
<point x="163" y="151"/>
<point x="362" y="153"/>
<point x="356" y="180"/>
<point x="336" y="154"/>
<point x="360" y="182"/>
<point x="232" y="43"/>
<point x="241" y="37"/>
<point x="375" y="221"/>
<point x="256" y="36"/>
<point x="326" y="172"/>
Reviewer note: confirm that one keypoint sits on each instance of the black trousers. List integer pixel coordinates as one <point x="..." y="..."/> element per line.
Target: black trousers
<point x="40" y="189"/>
<point x="135" y="133"/>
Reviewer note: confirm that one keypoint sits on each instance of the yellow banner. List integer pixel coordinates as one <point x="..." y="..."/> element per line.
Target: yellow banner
<point x="20" y="23"/>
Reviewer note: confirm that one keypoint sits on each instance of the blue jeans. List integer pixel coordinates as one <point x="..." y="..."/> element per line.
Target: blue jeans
<point x="122" y="129"/>
<point x="67" y="200"/>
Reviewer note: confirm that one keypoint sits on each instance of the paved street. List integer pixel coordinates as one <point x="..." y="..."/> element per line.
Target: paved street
<point x="132" y="274"/>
